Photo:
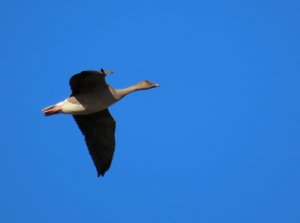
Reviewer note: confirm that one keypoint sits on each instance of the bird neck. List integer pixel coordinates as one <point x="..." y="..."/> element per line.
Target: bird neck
<point x="120" y="93"/>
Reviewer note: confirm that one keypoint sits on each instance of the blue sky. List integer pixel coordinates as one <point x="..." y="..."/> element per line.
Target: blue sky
<point x="217" y="142"/>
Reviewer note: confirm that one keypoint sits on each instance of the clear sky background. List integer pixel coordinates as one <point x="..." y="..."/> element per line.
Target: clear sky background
<point x="219" y="141"/>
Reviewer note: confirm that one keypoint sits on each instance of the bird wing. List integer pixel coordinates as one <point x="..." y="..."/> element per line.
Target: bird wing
<point x="87" y="82"/>
<point x="99" y="132"/>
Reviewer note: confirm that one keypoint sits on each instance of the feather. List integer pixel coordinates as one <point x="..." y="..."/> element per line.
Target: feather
<point x="99" y="132"/>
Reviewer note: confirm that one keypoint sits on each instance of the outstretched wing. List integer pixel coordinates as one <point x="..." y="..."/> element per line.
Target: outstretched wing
<point x="87" y="82"/>
<point x="99" y="132"/>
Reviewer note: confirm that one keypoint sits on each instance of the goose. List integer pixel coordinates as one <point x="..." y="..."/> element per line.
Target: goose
<point x="88" y="104"/>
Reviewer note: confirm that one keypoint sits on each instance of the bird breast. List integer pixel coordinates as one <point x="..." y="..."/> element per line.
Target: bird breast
<point x="89" y="103"/>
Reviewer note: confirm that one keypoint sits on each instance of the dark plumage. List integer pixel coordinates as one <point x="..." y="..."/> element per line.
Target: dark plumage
<point x="87" y="82"/>
<point x="89" y="101"/>
<point x="99" y="133"/>
<point x="98" y="128"/>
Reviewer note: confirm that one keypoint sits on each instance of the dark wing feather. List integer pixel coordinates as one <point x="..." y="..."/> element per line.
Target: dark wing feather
<point x="87" y="81"/>
<point x="99" y="132"/>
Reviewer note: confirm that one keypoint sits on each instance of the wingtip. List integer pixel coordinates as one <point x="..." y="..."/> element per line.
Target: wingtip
<point x="106" y="72"/>
<point x="100" y="175"/>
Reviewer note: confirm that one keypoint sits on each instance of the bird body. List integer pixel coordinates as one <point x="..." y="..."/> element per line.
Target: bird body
<point x="88" y="103"/>
<point x="91" y="96"/>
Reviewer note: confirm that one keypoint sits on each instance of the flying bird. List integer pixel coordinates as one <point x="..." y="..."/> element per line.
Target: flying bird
<point x="88" y="104"/>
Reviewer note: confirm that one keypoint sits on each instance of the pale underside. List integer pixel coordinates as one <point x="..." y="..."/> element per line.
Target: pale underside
<point x="90" y="102"/>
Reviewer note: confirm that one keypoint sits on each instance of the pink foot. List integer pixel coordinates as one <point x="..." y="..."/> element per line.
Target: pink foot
<point x="52" y="110"/>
